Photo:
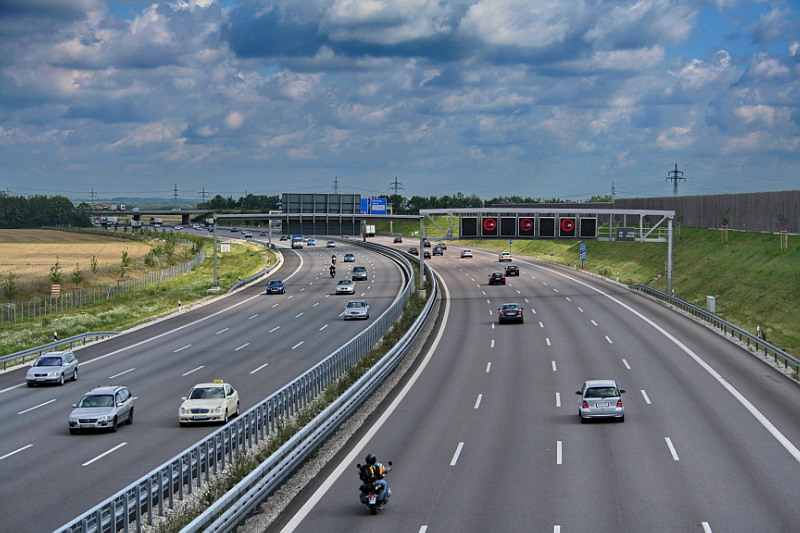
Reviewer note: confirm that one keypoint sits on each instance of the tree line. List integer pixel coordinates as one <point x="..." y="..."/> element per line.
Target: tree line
<point x="20" y="212"/>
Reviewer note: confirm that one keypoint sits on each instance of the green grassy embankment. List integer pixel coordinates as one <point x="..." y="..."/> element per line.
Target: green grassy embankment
<point x="756" y="284"/>
<point x="131" y="308"/>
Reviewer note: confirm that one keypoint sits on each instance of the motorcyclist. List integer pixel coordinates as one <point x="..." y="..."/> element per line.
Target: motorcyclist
<point x="333" y="271"/>
<point x="373" y="472"/>
<point x="333" y="259"/>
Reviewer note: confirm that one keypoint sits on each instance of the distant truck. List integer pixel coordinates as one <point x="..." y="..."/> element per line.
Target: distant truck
<point x="370" y="230"/>
<point x="156" y="221"/>
<point x="297" y="241"/>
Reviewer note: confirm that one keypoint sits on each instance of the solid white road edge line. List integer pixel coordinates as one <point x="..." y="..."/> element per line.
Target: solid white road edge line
<point x="347" y="462"/>
<point x="36" y="407"/>
<point x="780" y="437"/>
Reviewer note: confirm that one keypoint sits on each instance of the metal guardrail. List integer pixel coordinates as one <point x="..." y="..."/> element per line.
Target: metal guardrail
<point x="137" y="504"/>
<point x="233" y="507"/>
<point x="253" y="277"/>
<point x="22" y="356"/>
<point x="724" y="326"/>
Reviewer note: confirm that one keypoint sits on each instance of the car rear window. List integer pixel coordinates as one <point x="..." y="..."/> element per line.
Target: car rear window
<point x="601" y="392"/>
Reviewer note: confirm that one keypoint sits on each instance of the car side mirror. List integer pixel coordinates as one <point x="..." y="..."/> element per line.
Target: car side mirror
<point x="389" y="463"/>
<point x="183" y="398"/>
<point x="621" y="391"/>
<point x="74" y="405"/>
<point x="358" y="466"/>
<point x="578" y="392"/>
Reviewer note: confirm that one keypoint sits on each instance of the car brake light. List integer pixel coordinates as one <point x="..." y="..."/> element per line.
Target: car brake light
<point x="585" y="404"/>
<point x="502" y="313"/>
<point x="619" y="402"/>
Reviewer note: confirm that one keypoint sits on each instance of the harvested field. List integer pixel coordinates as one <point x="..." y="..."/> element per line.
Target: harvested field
<point x="30" y="254"/>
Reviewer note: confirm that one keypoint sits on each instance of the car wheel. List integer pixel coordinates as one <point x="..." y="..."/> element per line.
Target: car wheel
<point x="583" y="420"/>
<point x="30" y="384"/>
<point x="622" y="418"/>
<point x="183" y="424"/>
<point x="114" y="425"/>
<point x="73" y="431"/>
<point x="237" y="410"/>
<point x="225" y="420"/>
<point x="75" y="375"/>
<point x="130" y="416"/>
<point x="61" y="379"/>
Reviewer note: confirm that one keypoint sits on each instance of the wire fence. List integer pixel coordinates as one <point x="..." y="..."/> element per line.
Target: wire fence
<point x="12" y="312"/>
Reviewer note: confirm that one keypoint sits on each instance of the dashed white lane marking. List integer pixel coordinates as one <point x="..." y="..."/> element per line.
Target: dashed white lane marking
<point x="298" y="316"/>
<point x="252" y="317"/>
<point x="540" y="324"/>
<point x="625" y="362"/>
<point x="276" y="305"/>
<point x="181" y="348"/>
<point x="224" y="330"/>
<point x="297" y="345"/>
<point x="593" y="322"/>
<point x="488" y="367"/>
<point x="36" y="407"/>
<point x="276" y="328"/>
<point x="323" y="327"/>
<point x="454" y="460"/>
<point x="706" y="527"/>
<point x="259" y="368"/>
<point x="115" y="448"/>
<point x="15" y="451"/>
<point x="559" y="453"/>
<point x="245" y="345"/>
<point x="547" y="340"/>
<point x="492" y="346"/>
<point x="316" y="304"/>
<point x="646" y="398"/>
<point x="553" y="364"/>
<point x="671" y="449"/>
<point x="609" y="340"/>
<point x="568" y="298"/>
<point x="121" y="373"/>
<point x="581" y="310"/>
<point x="478" y="401"/>
<point x="192" y="371"/>
<point x="558" y="399"/>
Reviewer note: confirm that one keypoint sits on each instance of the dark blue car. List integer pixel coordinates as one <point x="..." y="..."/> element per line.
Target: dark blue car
<point x="276" y="286"/>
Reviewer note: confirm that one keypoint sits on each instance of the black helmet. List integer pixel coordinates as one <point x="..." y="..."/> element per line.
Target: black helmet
<point x="371" y="459"/>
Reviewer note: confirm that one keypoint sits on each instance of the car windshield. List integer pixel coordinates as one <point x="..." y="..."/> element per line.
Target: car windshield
<point x="97" y="400"/>
<point x="359" y="269"/>
<point x="601" y="392"/>
<point x="48" y="361"/>
<point x="345" y="282"/>
<point x="273" y="283"/>
<point x="352" y="305"/>
<point x="206" y="393"/>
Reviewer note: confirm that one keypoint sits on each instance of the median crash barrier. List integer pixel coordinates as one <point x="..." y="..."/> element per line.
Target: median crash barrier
<point x="151" y="495"/>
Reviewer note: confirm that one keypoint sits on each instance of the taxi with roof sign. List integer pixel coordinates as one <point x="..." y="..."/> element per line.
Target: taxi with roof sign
<point x="217" y="401"/>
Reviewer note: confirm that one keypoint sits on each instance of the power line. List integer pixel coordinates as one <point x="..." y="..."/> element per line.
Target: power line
<point x="675" y="176"/>
<point x="396" y="186"/>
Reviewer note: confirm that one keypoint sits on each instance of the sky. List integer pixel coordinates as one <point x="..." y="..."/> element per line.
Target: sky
<point x="535" y="98"/>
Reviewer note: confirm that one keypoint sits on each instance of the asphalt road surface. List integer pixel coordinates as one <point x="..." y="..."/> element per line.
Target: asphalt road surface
<point x="485" y="435"/>
<point x="256" y="342"/>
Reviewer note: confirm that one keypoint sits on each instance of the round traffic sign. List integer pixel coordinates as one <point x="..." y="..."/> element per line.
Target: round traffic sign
<point x="526" y="224"/>
<point x="568" y="224"/>
<point x="489" y="224"/>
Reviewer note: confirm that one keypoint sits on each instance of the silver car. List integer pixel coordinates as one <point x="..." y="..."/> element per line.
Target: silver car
<point x="359" y="273"/>
<point x="53" y="367"/>
<point x="345" y="286"/>
<point x="356" y="309"/>
<point x="102" y="408"/>
<point x="601" y="399"/>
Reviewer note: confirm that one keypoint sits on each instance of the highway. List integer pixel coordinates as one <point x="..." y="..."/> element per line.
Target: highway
<point x="485" y="435"/>
<point x="256" y="342"/>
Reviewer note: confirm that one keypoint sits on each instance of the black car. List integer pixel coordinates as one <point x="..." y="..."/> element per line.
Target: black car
<point x="497" y="277"/>
<point x="438" y="250"/>
<point x="276" y="286"/>
<point x="413" y="251"/>
<point x="510" y="313"/>
<point x="398" y="238"/>
<point x="426" y="243"/>
<point x="512" y="270"/>
<point x="426" y="254"/>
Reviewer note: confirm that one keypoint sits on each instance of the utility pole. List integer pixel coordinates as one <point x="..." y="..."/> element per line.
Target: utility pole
<point x="395" y="187"/>
<point x="336" y="185"/>
<point x="675" y="176"/>
<point x="175" y="195"/>
<point x="92" y="196"/>
<point x="203" y="195"/>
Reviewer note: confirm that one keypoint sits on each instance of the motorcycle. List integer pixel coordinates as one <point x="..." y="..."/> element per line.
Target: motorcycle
<point x="333" y="272"/>
<point x="372" y="494"/>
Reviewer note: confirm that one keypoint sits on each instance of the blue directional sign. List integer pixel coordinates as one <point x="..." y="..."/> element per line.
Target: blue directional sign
<point x="377" y="206"/>
<point x="583" y="251"/>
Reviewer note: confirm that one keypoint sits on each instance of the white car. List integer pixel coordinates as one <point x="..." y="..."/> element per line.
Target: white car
<point x="356" y="309"/>
<point x="209" y="402"/>
<point x="466" y="253"/>
<point x="331" y="244"/>
<point x="346" y="286"/>
<point x="504" y="256"/>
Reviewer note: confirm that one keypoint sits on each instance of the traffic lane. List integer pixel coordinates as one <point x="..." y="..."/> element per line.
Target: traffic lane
<point x="648" y="520"/>
<point x="156" y="401"/>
